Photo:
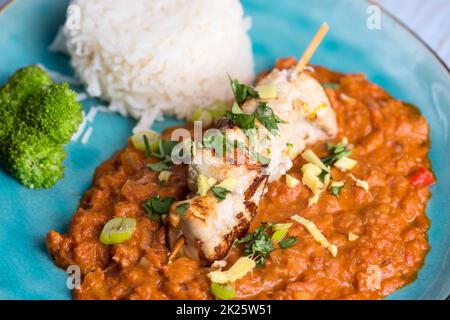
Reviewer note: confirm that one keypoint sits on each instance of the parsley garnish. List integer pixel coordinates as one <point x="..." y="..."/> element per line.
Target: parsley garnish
<point x="336" y="190"/>
<point x="338" y="151"/>
<point x="331" y="85"/>
<point x="159" y="166"/>
<point x="243" y="121"/>
<point x="157" y="208"/>
<point x="220" y="144"/>
<point x="164" y="152"/>
<point x="258" y="244"/>
<point x="219" y="192"/>
<point x="181" y="209"/>
<point x="267" y="117"/>
<point x="287" y="242"/>
<point x="241" y="91"/>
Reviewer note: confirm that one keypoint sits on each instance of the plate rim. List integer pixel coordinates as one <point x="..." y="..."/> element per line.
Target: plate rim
<point x="439" y="59"/>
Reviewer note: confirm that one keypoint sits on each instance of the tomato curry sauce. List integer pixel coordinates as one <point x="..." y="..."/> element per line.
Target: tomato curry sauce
<point x="381" y="232"/>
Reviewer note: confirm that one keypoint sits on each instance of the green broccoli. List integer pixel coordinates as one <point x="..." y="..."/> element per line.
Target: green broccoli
<point x="37" y="117"/>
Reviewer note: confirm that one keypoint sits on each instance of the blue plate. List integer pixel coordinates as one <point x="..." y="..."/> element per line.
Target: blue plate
<point x="390" y="56"/>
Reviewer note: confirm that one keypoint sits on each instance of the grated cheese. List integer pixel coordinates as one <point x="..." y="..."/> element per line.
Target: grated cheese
<point x="204" y="183"/>
<point x="311" y="157"/>
<point x="326" y="180"/>
<point x="345" y="164"/>
<point x="312" y="168"/>
<point x="360" y="183"/>
<point x="352" y="236"/>
<point x="316" y="234"/>
<point x="164" y="176"/>
<point x="291" y="181"/>
<point x="228" y="184"/>
<point x="337" y="184"/>
<point x="239" y="269"/>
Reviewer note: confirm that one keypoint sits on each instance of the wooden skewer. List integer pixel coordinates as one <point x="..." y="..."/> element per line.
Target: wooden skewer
<point x="180" y="243"/>
<point x="312" y="47"/>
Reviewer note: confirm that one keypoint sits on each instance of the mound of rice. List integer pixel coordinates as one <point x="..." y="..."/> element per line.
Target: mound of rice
<point x="148" y="57"/>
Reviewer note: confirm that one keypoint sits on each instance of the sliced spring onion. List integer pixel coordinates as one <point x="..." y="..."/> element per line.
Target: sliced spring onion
<point x="223" y="292"/>
<point x="204" y="116"/>
<point x="117" y="230"/>
<point x="217" y="110"/>
<point x="153" y="138"/>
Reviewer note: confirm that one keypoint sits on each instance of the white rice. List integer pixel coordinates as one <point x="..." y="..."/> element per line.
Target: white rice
<point x="148" y="57"/>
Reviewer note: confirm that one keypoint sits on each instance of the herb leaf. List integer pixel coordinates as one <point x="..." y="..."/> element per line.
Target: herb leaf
<point x="338" y="151"/>
<point x="243" y="121"/>
<point x="181" y="209"/>
<point x="241" y="91"/>
<point x="219" y="192"/>
<point x="287" y="242"/>
<point x="156" y="207"/>
<point x="331" y="85"/>
<point x="267" y="117"/>
<point x="258" y="244"/>
<point x="159" y="166"/>
<point x="336" y="190"/>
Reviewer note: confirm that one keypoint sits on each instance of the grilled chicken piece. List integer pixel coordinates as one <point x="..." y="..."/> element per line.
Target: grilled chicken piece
<point x="304" y="106"/>
<point x="210" y="226"/>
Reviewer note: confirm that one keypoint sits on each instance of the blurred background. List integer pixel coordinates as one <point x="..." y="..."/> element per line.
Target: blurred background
<point x="429" y="19"/>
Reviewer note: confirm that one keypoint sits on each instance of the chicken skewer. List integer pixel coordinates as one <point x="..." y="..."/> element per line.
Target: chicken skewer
<point x="210" y="224"/>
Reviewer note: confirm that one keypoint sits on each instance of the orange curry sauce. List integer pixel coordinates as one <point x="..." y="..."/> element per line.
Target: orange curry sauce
<point x="390" y="141"/>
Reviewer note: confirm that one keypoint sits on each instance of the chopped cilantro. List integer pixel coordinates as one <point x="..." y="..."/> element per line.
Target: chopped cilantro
<point x="181" y="209"/>
<point x="287" y="242"/>
<point x="331" y="85"/>
<point x="157" y="208"/>
<point x="267" y="117"/>
<point x="338" y="151"/>
<point x="159" y="166"/>
<point x="241" y="91"/>
<point x="258" y="244"/>
<point x="336" y="190"/>
<point x="219" y="192"/>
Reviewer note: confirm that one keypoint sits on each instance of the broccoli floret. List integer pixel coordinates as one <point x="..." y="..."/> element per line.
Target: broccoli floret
<point x="37" y="117"/>
<point x="20" y="86"/>
<point x="55" y="111"/>
<point x="34" y="158"/>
